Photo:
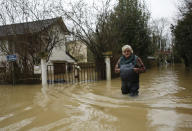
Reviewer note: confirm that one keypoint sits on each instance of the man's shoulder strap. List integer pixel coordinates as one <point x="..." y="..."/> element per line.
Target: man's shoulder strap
<point x="135" y="59"/>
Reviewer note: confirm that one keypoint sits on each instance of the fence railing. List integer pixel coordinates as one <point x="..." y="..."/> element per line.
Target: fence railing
<point x="71" y="73"/>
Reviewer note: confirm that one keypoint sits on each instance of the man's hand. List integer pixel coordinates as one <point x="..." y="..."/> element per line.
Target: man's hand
<point x="117" y="70"/>
<point x="136" y="70"/>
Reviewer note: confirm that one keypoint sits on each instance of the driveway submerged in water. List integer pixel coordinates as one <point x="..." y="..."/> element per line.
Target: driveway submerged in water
<point x="164" y="103"/>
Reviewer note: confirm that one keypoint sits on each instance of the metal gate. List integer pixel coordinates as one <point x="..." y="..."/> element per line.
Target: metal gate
<point x="71" y="73"/>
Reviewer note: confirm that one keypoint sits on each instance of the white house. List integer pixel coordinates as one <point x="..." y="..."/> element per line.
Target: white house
<point x="26" y="40"/>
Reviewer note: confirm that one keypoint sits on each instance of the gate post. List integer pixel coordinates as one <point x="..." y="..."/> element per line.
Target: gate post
<point x="66" y="72"/>
<point x="107" y="56"/>
<point x="43" y="71"/>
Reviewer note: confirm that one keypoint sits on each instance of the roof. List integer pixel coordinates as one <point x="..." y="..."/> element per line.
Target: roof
<point x="30" y="27"/>
<point x="60" y="56"/>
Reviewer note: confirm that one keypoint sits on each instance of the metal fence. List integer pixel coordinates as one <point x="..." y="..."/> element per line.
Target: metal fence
<point x="71" y="73"/>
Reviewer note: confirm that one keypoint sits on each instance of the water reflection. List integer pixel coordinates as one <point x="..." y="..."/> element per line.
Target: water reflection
<point x="164" y="103"/>
<point x="163" y="119"/>
<point x="166" y="113"/>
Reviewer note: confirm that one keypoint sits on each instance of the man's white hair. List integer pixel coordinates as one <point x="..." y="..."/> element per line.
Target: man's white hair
<point x="127" y="47"/>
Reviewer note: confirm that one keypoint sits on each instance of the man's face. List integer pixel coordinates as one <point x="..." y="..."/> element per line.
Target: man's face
<point x="127" y="53"/>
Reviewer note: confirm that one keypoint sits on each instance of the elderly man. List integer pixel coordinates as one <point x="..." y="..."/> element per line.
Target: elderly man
<point x="130" y="66"/>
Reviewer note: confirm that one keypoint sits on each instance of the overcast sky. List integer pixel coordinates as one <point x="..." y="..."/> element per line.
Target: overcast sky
<point x="159" y="8"/>
<point x="163" y="8"/>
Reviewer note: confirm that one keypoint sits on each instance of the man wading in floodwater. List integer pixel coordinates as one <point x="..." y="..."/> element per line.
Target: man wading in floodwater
<point x="129" y="66"/>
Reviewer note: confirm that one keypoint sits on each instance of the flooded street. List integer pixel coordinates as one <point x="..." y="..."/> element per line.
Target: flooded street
<point x="164" y="104"/>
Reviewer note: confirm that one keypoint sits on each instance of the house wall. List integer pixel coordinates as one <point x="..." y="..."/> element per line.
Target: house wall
<point x="59" y="52"/>
<point x="78" y="50"/>
<point x="2" y="54"/>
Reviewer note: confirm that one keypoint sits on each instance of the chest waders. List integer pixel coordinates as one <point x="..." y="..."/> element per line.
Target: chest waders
<point x="127" y="73"/>
<point x="130" y="79"/>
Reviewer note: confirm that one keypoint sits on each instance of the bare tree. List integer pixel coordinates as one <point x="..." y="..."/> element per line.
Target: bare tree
<point x="161" y="39"/>
<point x="26" y="32"/>
<point x="83" y="19"/>
<point x="161" y="32"/>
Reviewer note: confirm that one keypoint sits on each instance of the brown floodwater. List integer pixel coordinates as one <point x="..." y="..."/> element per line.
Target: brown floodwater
<point x="164" y="104"/>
